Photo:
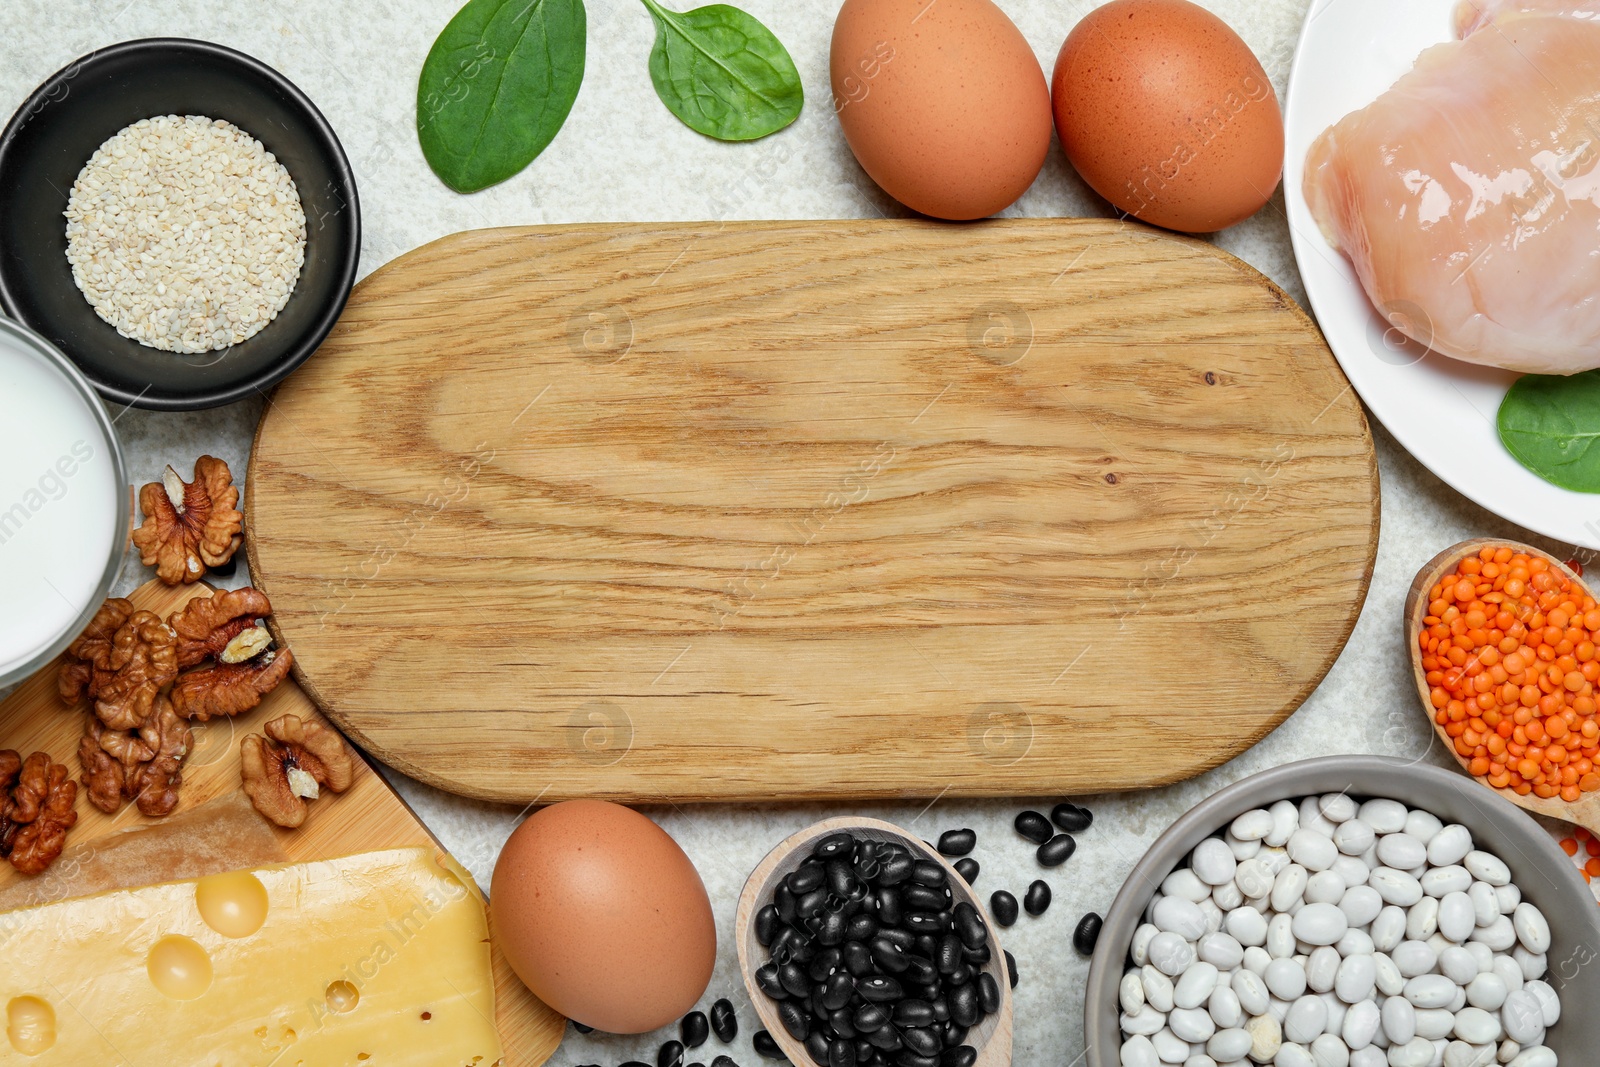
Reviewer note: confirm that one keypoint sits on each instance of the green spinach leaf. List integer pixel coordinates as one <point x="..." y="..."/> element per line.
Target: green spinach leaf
<point x="497" y="86"/>
<point x="723" y="73"/>
<point x="1551" y="425"/>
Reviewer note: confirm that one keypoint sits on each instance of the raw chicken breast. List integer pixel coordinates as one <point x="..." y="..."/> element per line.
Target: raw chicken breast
<point x="1474" y="15"/>
<point x="1468" y="195"/>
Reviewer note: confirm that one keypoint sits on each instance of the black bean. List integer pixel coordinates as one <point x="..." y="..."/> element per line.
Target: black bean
<point x="909" y="1058"/>
<point x="941" y="1009"/>
<point x="725" y="1061"/>
<point x="841" y="879"/>
<point x="957" y="842"/>
<point x="840" y="844"/>
<point x="988" y="993"/>
<point x="694" y="1029"/>
<point x="783" y="900"/>
<point x="861" y="928"/>
<point x="949" y="956"/>
<point x="794" y="1019"/>
<point x="888" y="956"/>
<point x="878" y="988"/>
<point x="817" y="1048"/>
<point x="913" y="1012"/>
<point x="768" y="982"/>
<point x="896" y="869"/>
<point x="1087" y="933"/>
<point x="1033" y="826"/>
<point x="582" y="1029"/>
<point x="960" y="1056"/>
<point x="929" y="873"/>
<point x="964" y="1007"/>
<point x="870" y="1017"/>
<point x="808" y="876"/>
<point x="960" y="976"/>
<point x="923" y="1042"/>
<point x="865" y="1053"/>
<point x="968" y="869"/>
<point x="841" y="1053"/>
<point x="812" y="903"/>
<point x="634" y="1063"/>
<point x="1071" y="818"/>
<point x="697" y="1064"/>
<point x="767" y="924"/>
<point x="842" y="1022"/>
<point x="920" y="971"/>
<point x="828" y="960"/>
<point x="670" y="1055"/>
<point x="886" y="1038"/>
<point x="927" y="922"/>
<point x="857" y="958"/>
<point x="904" y="940"/>
<point x="921" y="898"/>
<point x="1037" y="899"/>
<point x="766" y="1047"/>
<point x="1057" y="850"/>
<point x="837" y="991"/>
<point x="954" y="1034"/>
<point x="834" y="928"/>
<point x="1011" y="968"/>
<point x="793" y="979"/>
<point x="724" y="1022"/>
<point x="1003" y="906"/>
<point x="889" y="913"/>
<point x="785" y="943"/>
<point x="970" y="926"/>
<point x="977" y="956"/>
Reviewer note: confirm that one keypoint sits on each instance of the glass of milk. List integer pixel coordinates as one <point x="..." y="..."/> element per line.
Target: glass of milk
<point x="63" y="503"/>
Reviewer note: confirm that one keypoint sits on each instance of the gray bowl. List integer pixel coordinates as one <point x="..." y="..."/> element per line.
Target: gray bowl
<point x="1545" y="874"/>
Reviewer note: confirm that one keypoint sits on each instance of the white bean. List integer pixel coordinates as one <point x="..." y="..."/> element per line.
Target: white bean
<point x="1192" y="1024"/>
<point x="1252" y="825"/>
<point x="1357" y="979"/>
<point x="1137" y="1051"/>
<point x="1221" y="950"/>
<point x="1532" y="928"/>
<point x="1307" y="1018"/>
<point x="1456" y="918"/>
<point x="1354" y="837"/>
<point x="1487" y="868"/>
<point x="1549" y="1003"/>
<point x="1450" y="845"/>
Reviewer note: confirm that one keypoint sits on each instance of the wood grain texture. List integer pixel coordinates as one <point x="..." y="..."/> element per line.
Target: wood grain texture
<point x="809" y="510"/>
<point x="1584" y="813"/>
<point x="991" y="1038"/>
<point x="369" y="816"/>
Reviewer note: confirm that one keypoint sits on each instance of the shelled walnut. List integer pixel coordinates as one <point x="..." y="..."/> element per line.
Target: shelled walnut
<point x="121" y="662"/>
<point x="227" y="630"/>
<point x="291" y="765"/>
<point x="144" y="766"/>
<point x="189" y="526"/>
<point x="36" y="810"/>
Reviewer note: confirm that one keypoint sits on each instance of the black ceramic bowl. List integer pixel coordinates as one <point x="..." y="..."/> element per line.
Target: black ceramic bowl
<point x="60" y="126"/>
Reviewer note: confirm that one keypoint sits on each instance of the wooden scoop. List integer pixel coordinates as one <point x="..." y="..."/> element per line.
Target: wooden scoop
<point x="1584" y="812"/>
<point x="991" y="1038"/>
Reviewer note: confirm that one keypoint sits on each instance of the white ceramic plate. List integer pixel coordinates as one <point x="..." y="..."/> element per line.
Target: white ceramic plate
<point x="1441" y="410"/>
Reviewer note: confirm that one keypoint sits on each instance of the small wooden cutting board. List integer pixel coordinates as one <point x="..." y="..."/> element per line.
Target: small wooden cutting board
<point x="367" y="817"/>
<point x="813" y="510"/>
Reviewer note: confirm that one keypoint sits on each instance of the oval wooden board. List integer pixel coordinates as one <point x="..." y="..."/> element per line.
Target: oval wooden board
<point x="814" y="509"/>
<point x="367" y="817"/>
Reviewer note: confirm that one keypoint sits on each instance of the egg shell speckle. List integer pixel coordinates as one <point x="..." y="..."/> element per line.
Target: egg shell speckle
<point x="944" y="105"/>
<point x="603" y="916"/>
<point x="1167" y="113"/>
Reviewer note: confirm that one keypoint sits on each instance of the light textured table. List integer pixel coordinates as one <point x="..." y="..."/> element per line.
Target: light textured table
<point x="622" y="157"/>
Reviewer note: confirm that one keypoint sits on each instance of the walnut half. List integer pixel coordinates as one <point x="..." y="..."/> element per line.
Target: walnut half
<point x="227" y="628"/>
<point x="36" y="810"/>
<point x="291" y="766"/>
<point x="121" y="661"/>
<point x="189" y="526"/>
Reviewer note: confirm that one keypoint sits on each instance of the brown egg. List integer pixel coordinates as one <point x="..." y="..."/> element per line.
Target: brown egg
<point x="1168" y="114"/>
<point x="944" y="104"/>
<point x="603" y="917"/>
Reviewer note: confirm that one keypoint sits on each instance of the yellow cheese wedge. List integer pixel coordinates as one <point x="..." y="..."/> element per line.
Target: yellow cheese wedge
<point x="380" y="959"/>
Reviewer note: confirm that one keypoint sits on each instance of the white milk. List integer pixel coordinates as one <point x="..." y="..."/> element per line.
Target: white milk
<point x="61" y="507"/>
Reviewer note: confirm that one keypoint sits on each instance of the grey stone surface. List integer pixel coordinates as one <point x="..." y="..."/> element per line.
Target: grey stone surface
<point x="622" y="157"/>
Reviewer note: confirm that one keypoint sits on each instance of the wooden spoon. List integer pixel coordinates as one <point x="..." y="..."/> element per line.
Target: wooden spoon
<point x="991" y="1038"/>
<point x="1584" y="812"/>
